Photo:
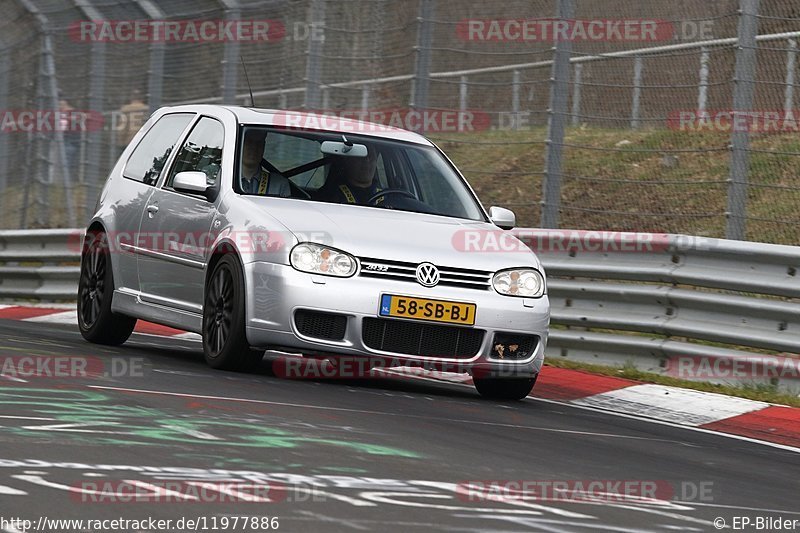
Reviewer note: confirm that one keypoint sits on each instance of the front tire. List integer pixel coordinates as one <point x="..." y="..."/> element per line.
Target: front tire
<point x="224" y="342"/>
<point x="96" y="322"/>
<point x="504" y="388"/>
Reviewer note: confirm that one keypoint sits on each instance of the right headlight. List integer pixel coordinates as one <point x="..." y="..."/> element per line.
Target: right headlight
<point x="318" y="259"/>
<point x="523" y="282"/>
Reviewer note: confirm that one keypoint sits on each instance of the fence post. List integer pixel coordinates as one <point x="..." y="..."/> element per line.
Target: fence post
<point x="422" y="68"/>
<point x="702" y="87"/>
<point x="61" y="151"/>
<point x="326" y="98"/>
<point x="314" y="59"/>
<point x="556" y="121"/>
<point x="744" y="85"/>
<point x="791" y="69"/>
<point x="96" y="103"/>
<point x="113" y="151"/>
<point x="230" y="55"/>
<point x="5" y="76"/>
<point x="577" y="85"/>
<point x="155" y="77"/>
<point x="365" y="98"/>
<point x="515" y="109"/>
<point x="637" y="91"/>
<point x="97" y="80"/>
<point x="39" y="162"/>
<point x="155" y="73"/>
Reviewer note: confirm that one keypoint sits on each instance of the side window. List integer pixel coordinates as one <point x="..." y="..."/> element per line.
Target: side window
<point x="201" y="152"/>
<point x="147" y="160"/>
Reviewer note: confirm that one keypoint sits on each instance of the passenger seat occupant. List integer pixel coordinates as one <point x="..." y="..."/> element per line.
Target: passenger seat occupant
<point x="256" y="179"/>
<point x="352" y="180"/>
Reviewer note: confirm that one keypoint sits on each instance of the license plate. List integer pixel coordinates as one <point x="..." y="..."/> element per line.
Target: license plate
<point x="425" y="309"/>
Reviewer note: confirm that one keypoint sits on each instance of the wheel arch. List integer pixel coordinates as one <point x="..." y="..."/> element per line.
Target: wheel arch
<point x="221" y="249"/>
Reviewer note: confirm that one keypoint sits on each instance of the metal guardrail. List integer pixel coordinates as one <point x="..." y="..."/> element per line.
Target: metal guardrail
<point x="651" y="300"/>
<point x="39" y="264"/>
<point x="641" y="298"/>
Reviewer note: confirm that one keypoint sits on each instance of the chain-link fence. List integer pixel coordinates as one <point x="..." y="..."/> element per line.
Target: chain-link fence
<point x="612" y="115"/>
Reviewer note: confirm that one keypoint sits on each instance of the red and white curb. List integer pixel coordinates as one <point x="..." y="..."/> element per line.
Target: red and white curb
<point x="673" y="405"/>
<point x="683" y="407"/>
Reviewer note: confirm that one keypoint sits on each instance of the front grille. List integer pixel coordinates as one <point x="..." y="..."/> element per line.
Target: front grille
<point x="404" y="271"/>
<point x="329" y="326"/>
<point x="416" y="338"/>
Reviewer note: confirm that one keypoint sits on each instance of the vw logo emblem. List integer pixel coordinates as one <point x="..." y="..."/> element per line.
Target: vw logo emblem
<point x="427" y="274"/>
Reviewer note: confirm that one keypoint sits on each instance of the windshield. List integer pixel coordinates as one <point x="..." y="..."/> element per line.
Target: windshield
<point x="392" y="175"/>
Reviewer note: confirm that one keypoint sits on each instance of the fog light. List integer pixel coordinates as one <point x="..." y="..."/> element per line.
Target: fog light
<point x="513" y="347"/>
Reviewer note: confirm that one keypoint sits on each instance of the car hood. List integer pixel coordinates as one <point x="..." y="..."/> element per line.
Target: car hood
<point x="388" y="234"/>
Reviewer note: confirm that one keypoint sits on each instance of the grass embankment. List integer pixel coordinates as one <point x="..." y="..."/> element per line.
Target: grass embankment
<point x="645" y="180"/>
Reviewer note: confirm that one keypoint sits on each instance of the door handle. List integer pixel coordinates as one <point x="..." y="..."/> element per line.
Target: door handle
<point x="152" y="210"/>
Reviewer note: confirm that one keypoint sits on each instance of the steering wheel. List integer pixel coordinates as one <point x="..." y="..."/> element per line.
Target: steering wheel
<point x="402" y="192"/>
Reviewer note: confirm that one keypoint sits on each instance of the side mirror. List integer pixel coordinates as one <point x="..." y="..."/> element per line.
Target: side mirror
<point x="191" y="181"/>
<point x="502" y="218"/>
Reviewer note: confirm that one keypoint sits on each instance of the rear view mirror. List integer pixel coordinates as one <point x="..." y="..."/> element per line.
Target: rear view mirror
<point x="340" y="148"/>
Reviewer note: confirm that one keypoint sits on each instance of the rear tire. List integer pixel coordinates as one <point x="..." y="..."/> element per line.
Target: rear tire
<point x="96" y="322"/>
<point x="224" y="342"/>
<point x="504" y="388"/>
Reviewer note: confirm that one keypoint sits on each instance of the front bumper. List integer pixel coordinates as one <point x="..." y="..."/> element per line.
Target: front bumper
<point x="275" y="292"/>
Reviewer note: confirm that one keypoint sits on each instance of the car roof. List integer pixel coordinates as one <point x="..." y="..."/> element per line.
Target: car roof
<point x="310" y="121"/>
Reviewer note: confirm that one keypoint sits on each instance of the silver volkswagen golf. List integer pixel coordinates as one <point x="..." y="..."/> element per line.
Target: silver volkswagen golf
<point x="270" y="230"/>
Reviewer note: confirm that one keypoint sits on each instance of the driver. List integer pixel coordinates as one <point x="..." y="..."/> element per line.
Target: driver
<point x="256" y="179"/>
<point x="354" y="181"/>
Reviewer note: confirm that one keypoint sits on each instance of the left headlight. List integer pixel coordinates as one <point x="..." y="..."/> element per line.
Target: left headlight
<point x="524" y="282"/>
<point x="319" y="259"/>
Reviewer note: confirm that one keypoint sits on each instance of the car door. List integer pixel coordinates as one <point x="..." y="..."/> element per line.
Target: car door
<point x="179" y="224"/>
<point x="140" y="174"/>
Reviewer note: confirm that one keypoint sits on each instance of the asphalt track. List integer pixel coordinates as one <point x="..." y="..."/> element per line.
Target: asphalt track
<point x="386" y="454"/>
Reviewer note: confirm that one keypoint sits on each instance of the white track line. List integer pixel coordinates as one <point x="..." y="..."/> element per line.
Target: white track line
<point x="381" y="413"/>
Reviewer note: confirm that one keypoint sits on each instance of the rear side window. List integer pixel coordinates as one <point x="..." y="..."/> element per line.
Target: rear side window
<point x="148" y="158"/>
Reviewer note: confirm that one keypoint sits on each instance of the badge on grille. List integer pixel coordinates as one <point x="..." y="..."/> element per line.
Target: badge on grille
<point x="427" y="274"/>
